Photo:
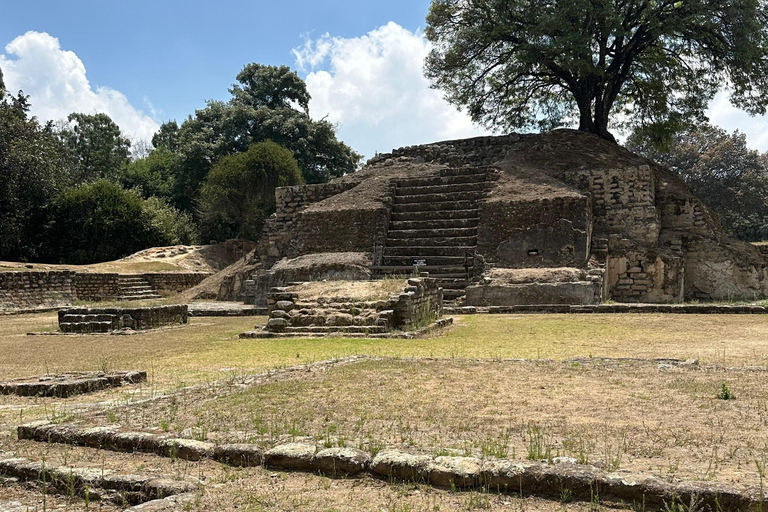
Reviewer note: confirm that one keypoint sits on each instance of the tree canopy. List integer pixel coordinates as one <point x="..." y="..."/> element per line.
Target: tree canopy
<point x="239" y="192"/>
<point x="522" y="64"/>
<point x="34" y="168"/>
<point x="97" y="144"/>
<point x="723" y="172"/>
<point x="267" y="103"/>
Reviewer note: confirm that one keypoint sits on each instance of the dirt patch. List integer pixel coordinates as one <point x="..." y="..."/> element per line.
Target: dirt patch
<point x="210" y="287"/>
<point x="349" y="290"/>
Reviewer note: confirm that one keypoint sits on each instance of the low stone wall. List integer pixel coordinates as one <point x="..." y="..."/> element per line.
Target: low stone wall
<point x="420" y="303"/>
<point x="169" y="283"/>
<point x="90" y="320"/>
<point x="33" y="289"/>
<point x="96" y="286"/>
<point x="30" y="289"/>
<point x="578" y="292"/>
<point x="532" y="478"/>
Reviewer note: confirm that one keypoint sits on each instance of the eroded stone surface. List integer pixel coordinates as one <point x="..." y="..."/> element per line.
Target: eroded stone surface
<point x="294" y="456"/>
<point x="341" y="461"/>
<point x="398" y="465"/>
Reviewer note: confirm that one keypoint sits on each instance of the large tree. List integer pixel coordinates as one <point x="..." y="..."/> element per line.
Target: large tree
<point x="239" y="192"/>
<point x="521" y="64"/>
<point x="267" y="103"/>
<point x="34" y="168"/>
<point x="722" y="171"/>
<point x="97" y="144"/>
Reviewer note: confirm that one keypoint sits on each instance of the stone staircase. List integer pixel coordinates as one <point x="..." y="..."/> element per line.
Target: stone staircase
<point x="433" y="227"/>
<point x="133" y="287"/>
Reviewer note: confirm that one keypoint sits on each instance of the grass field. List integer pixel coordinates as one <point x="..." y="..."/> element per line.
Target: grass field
<point x="514" y="386"/>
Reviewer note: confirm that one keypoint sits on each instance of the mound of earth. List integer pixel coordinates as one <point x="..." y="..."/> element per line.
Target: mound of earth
<point x="175" y="258"/>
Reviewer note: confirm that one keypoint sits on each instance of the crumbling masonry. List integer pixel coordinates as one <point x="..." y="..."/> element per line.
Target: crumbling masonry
<point x="556" y="218"/>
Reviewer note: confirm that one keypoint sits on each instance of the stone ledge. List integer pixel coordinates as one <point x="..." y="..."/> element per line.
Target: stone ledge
<point x="263" y="334"/>
<point x="96" y="484"/>
<point x="70" y="384"/>
<point x="529" y="477"/>
<point x="694" y="309"/>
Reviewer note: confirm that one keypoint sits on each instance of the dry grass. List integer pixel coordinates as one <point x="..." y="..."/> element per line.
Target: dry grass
<point x="462" y="396"/>
<point x="665" y="421"/>
<point x="360" y="290"/>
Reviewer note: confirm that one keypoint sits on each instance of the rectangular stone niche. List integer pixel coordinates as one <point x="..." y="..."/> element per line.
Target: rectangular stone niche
<point x="95" y="320"/>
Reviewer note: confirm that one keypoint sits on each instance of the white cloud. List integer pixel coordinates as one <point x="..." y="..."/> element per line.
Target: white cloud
<point x="374" y="87"/>
<point x="56" y="82"/>
<point x="721" y="113"/>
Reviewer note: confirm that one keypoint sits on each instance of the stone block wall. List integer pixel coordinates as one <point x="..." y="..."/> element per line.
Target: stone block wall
<point x="623" y="201"/>
<point x="338" y="231"/>
<point x="639" y="276"/>
<point x="96" y="286"/>
<point x="420" y="303"/>
<point x="33" y="289"/>
<point x="169" y="283"/>
<point x="289" y="202"/>
<point x="90" y="320"/>
<point x="544" y="233"/>
<point x="21" y="290"/>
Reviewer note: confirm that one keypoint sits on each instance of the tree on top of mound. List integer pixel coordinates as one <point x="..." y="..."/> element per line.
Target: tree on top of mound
<point x="521" y="64"/>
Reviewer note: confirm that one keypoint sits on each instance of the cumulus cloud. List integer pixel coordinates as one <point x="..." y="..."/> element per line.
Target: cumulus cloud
<point x="56" y="82"/>
<point x="374" y="88"/>
<point x="721" y="113"/>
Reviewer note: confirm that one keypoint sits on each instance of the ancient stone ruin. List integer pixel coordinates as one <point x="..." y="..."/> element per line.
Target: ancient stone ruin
<point x="101" y="320"/>
<point x="418" y="305"/>
<point x="70" y="384"/>
<point x="556" y="218"/>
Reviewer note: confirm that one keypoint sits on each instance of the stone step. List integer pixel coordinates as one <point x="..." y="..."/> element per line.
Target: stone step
<point x="362" y="329"/>
<point x="408" y="261"/>
<point x="435" y="215"/>
<point x="433" y="241"/>
<point x="456" y="275"/>
<point x="137" y="288"/>
<point x="401" y="199"/>
<point x="421" y="251"/>
<point x="453" y="283"/>
<point x="432" y="225"/>
<point x="466" y="171"/>
<point x="444" y="188"/>
<point x="393" y="234"/>
<point x="429" y="181"/>
<point x="436" y="206"/>
<point x="453" y="294"/>
<point x="139" y="297"/>
<point x="409" y="270"/>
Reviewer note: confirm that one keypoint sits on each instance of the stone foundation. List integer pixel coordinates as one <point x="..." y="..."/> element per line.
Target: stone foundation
<point x="101" y="320"/>
<point x="420" y="303"/>
<point x="31" y="289"/>
<point x="27" y="290"/>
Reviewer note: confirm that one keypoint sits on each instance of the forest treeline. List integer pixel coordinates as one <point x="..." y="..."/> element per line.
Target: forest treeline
<point x="77" y="191"/>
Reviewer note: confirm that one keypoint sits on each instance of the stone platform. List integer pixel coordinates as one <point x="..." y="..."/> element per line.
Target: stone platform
<point x="90" y="320"/>
<point x="69" y="384"/>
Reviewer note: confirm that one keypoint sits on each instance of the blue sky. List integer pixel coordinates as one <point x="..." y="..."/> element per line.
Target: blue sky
<point x="144" y="62"/>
